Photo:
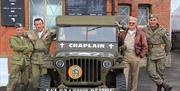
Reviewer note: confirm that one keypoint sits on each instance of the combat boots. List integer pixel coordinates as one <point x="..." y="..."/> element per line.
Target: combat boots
<point x="159" y="87"/>
<point x="166" y="87"/>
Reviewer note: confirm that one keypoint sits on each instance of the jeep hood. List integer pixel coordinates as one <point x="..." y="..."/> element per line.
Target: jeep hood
<point x="85" y="54"/>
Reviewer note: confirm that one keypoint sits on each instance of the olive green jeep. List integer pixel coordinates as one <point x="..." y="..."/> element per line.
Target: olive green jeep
<point x="87" y="54"/>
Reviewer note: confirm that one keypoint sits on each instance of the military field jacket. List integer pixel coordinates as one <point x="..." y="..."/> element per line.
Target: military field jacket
<point x="141" y="46"/>
<point x="41" y="46"/>
<point x="22" y="49"/>
<point x="158" y="42"/>
<point x="43" y="43"/>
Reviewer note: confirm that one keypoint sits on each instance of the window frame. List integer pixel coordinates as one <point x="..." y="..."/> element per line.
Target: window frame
<point x="129" y="10"/>
<point x="86" y="13"/>
<point x="45" y="14"/>
<point x="148" y="11"/>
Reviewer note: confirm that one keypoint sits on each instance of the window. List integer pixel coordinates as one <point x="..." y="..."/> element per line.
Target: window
<point x="85" y="7"/>
<point x="143" y="14"/>
<point x="124" y="12"/>
<point x="45" y="9"/>
<point x="87" y="33"/>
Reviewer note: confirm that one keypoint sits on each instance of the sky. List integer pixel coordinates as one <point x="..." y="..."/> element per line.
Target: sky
<point x="175" y="4"/>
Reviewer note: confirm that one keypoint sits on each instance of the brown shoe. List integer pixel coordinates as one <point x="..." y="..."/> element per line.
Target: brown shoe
<point x="166" y="87"/>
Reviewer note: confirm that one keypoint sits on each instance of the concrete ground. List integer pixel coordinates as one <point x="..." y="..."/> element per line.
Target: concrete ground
<point x="172" y="74"/>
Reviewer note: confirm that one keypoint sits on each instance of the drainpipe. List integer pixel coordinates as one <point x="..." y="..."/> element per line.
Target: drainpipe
<point x="112" y="5"/>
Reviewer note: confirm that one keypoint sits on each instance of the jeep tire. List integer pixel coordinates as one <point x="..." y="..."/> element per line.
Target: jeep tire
<point x="45" y="82"/>
<point x="120" y="81"/>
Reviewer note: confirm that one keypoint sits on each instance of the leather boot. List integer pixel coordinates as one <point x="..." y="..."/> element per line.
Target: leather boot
<point x="166" y="87"/>
<point x="159" y="87"/>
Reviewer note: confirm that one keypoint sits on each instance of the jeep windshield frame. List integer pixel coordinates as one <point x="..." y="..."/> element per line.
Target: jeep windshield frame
<point x="87" y="33"/>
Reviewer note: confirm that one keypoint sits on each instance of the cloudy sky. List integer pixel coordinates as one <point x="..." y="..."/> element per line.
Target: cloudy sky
<point x="175" y="4"/>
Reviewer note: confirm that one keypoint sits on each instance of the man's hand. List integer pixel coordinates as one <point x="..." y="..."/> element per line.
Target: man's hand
<point x="30" y="37"/>
<point x="117" y="23"/>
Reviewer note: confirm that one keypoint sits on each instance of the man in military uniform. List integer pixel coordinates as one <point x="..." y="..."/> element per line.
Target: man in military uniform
<point x="41" y="40"/>
<point x="22" y="48"/>
<point x="159" y="47"/>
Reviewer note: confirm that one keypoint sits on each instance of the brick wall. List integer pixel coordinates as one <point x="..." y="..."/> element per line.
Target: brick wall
<point x="159" y="7"/>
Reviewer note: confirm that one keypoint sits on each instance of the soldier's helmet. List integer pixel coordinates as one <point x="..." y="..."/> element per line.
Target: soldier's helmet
<point x="153" y="16"/>
<point x="18" y="25"/>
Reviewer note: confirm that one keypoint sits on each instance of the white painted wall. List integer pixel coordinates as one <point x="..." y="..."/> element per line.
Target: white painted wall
<point x="3" y="71"/>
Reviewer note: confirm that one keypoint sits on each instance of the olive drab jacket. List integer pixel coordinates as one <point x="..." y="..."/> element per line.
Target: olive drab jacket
<point x="158" y="42"/>
<point x="22" y="49"/>
<point x="41" y="46"/>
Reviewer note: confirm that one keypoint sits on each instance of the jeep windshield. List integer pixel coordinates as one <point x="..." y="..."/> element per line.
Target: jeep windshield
<point x="84" y="33"/>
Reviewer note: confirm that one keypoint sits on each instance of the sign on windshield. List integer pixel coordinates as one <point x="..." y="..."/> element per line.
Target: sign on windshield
<point x="94" y="34"/>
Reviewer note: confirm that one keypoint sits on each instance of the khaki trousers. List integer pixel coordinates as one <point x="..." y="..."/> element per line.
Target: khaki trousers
<point x="131" y="62"/>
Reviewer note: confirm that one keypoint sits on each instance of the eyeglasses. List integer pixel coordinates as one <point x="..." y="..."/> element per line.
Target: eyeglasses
<point x="131" y="23"/>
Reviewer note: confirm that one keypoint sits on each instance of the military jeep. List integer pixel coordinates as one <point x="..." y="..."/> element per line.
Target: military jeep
<point x="87" y="54"/>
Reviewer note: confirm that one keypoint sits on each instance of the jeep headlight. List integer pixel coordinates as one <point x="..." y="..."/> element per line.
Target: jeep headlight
<point x="107" y="64"/>
<point x="59" y="63"/>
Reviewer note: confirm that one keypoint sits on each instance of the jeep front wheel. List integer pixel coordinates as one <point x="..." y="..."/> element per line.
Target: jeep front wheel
<point x="120" y="81"/>
<point x="45" y="82"/>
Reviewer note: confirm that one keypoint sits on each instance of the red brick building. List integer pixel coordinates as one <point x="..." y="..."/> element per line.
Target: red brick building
<point x="49" y="9"/>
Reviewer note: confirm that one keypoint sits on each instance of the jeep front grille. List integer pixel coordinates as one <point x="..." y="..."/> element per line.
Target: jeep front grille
<point x="91" y="69"/>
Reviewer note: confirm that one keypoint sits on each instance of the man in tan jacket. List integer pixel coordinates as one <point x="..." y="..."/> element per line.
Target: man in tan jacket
<point x="41" y="39"/>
